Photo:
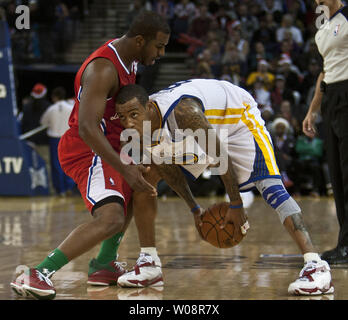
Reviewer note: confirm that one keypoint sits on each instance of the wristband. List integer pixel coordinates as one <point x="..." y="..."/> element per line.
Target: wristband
<point x="238" y="206"/>
<point x="195" y="208"/>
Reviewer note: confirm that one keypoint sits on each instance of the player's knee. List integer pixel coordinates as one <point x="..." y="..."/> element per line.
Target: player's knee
<point x="280" y="200"/>
<point x="110" y="220"/>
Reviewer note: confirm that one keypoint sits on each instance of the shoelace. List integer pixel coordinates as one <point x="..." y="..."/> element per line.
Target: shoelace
<point x="43" y="277"/>
<point x="311" y="267"/>
<point x="143" y="259"/>
<point x="120" y="264"/>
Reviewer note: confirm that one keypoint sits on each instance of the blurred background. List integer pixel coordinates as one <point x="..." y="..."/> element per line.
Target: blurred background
<point x="264" y="46"/>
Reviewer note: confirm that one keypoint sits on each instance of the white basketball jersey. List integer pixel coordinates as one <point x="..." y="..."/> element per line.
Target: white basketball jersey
<point x="223" y="103"/>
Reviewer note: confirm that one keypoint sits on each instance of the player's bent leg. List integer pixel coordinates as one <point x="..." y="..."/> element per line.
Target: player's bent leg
<point x="111" y="216"/>
<point x="315" y="277"/>
<point x="147" y="270"/>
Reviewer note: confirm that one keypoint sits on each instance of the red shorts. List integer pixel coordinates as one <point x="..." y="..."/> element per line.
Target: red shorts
<point x="97" y="181"/>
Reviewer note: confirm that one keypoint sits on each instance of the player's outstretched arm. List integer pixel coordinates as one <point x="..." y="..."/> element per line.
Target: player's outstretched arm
<point x="189" y="115"/>
<point x="174" y="177"/>
<point x="100" y="81"/>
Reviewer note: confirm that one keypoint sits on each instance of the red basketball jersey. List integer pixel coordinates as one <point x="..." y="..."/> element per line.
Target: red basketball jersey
<point x="111" y="127"/>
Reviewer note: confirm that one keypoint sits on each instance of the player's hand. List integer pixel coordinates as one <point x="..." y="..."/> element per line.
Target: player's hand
<point x="197" y="215"/>
<point x="240" y="221"/>
<point x="308" y="125"/>
<point x="134" y="176"/>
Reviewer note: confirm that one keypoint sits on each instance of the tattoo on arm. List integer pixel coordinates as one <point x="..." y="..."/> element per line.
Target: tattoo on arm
<point x="189" y="115"/>
<point x="174" y="177"/>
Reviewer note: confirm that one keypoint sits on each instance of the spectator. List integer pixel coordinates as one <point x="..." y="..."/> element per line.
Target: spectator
<point x="286" y="68"/>
<point x="273" y="7"/>
<point x="184" y="11"/>
<point x="262" y="72"/>
<point x="204" y="66"/>
<point x="310" y="174"/>
<point x="248" y="22"/>
<point x="310" y="78"/>
<point x="32" y="112"/>
<point x="280" y="92"/>
<point x="56" y="119"/>
<point x="215" y="52"/>
<point x="222" y="18"/>
<point x="287" y="113"/>
<point x="259" y="53"/>
<point x="310" y="52"/>
<point x="287" y="25"/>
<point x="261" y="95"/>
<point x="200" y="25"/>
<point x="165" y="8"/>
<point x="235" y="35"/>
<point x="267" y="115"/>
<point x="266" y="34"/>
<point x="284" y="145"/>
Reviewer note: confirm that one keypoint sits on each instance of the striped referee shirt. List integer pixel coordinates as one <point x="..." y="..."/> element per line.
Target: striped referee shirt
<point x="332" y="42"/>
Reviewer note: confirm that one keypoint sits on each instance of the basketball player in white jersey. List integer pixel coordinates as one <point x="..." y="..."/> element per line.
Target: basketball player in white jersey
<point x="203" y="104"/>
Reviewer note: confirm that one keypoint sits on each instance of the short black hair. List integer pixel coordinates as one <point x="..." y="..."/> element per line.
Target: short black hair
<point x="59" y="93"/>
<point x="147" y="24"/>
<point x="131" y="91"/>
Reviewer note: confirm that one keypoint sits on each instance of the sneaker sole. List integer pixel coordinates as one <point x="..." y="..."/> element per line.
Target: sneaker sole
<point x="310" y="292"/>
<point x="40" y="294"/>
<point x="19" y="290"/>
<point x="157" y="282"/>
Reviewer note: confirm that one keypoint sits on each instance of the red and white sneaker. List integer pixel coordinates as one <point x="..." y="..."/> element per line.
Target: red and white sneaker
<point x="314" y="279"/>
<point x="33" y="283"/>
<point x="105" y="274"/>
<point x="144" y="274"/>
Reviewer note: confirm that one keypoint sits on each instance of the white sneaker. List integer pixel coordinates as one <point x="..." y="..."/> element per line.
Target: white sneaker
<point x="145" y="273"/>
<point x="314" y="279"/>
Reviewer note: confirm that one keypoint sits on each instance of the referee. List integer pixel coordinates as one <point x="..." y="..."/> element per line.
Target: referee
<point x="331" y="94"/>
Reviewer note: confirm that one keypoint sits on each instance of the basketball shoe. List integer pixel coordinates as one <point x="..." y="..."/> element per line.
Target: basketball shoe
<point x="105" y="274"/>
<point x="33" y="283"/>
<point x="145" y="273"/>
<point x="314" y="279"/>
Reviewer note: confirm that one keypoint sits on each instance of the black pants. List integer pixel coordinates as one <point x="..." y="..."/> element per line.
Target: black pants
<point x="334" y="110"/>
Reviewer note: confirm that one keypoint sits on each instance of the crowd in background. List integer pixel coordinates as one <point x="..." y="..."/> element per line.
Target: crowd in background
<point x="264" y="46"/>
<point x="54" y="25"/>
<point x="268" y="48"/>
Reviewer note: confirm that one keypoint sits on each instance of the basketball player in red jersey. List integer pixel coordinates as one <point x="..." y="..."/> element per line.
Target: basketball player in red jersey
<point x="89" y="153"/>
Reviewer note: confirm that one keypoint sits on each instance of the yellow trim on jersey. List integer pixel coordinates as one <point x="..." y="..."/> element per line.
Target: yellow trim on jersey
<point x="262" y="140"/>
<point x="223" y="120"/>
<point x="224" y="112"/>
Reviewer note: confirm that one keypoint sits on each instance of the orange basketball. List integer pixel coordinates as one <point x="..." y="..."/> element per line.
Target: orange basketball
<point x="210" y="230"/>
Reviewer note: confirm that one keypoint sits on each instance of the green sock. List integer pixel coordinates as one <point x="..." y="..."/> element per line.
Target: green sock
<point x="53" y="262"/>
<point x="108" y="249"/>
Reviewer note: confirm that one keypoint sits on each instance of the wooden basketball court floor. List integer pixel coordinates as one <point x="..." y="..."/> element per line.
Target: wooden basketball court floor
<point x="259" y="268"/>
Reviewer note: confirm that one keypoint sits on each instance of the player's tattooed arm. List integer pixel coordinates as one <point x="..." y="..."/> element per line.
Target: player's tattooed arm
<point x="175" y="179"/>
<point x="189" y="115"/>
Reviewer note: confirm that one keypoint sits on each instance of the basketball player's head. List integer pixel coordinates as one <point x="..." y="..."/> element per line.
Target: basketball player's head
<point x="133" y="107"/>
<point x="150" y="32"/>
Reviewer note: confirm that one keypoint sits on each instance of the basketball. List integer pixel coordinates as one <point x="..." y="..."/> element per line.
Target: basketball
<point x="211" y="232"/>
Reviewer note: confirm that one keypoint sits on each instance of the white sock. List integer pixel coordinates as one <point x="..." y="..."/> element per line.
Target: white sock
<point x="311" y="256"/>
<point x="152" y="251"/>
